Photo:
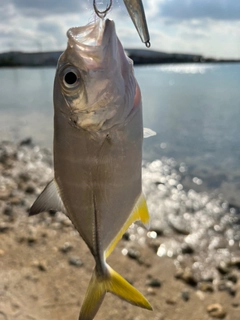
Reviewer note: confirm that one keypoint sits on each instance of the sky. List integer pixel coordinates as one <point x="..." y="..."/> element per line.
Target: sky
<point x="207" y="27"/>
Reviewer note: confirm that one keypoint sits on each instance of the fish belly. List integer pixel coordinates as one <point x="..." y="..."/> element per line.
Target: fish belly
<point x="99" y="176"/>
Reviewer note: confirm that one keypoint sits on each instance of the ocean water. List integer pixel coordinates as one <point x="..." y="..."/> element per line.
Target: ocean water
<point x="194" y="108"/>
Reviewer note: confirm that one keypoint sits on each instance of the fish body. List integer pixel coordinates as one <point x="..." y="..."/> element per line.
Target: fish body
<point x="98" y="136"/>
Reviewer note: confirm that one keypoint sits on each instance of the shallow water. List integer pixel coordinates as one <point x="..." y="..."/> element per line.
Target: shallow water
<point x="195" y="111"/>
<point x="194" y="108"/>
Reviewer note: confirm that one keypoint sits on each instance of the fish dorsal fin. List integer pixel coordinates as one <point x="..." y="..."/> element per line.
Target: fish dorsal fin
<point x="139" y="212"/>
<point x="49" y="199"/>
<point x="148" y="133"/>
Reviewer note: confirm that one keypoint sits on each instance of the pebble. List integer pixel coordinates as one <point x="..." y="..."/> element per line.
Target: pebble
<point x="154" y="283"/>
<point x="5" y="193"/>
<point x="235" y="304"/>
<point x="216" y="310"/>
<point x="223" y="267"/>
<point x="16" y="200"/>
<point x="66" y="223"/>
<point x="154" y="244"/>
<point x="235" y="262"/>
<point x="126" y="236"/>
<point x="227" y="286"/>
<point x="200" y="295"/>
<point x="44" y="234"/>
<point x="66" y="247"/>
<point x="4" y="227"/>
<point x="24" y="176"/>
<point x="75" y="261"/>
<point x="205" y="286"/>
<point x="232" y="291"/>
<point x="26" y="142"/>
<point x="56" y="225"/>
<point x="30" y="188"/>
<point x="170" y="301"/>
<point x="158" y="230"/>
<point x="2" y="252"/>
<point x="185" y="295"/>
<point x="32" y="240"/>
<point x="31" y="277"/>
<point x="151" y="291"/>
<point x="8" y="211"/>
<point x="232" y="277"/>
<point x="187" y="276"/>
<point x="186" y="248"/>
<point x="133" y="253"/>
<point x="41" y="265"/>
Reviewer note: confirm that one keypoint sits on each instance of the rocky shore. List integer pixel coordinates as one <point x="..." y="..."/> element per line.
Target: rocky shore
<point x="187" y="264"/>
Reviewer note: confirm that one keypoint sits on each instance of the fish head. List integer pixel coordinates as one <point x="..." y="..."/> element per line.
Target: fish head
<point x="95" y="85"/>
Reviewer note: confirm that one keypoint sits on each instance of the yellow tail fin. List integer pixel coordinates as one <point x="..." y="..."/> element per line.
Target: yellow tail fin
<point x="115" y="284"/>
<point x="124" y="290"/>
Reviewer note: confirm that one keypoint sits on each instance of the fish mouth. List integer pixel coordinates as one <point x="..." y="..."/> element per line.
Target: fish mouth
<point x="91" y="40"/>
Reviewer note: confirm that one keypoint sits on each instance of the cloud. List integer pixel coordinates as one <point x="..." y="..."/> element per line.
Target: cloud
<point x="7" y="12"/>
<point x="152" y="8"/>
<point x="198" y="9"/>
<point x="40" y="8"/>
<point x="39" y="25"/>
<point x="209" y="27"/>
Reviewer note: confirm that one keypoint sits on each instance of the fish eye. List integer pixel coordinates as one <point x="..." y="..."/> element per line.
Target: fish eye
<point x="71" y="78"/>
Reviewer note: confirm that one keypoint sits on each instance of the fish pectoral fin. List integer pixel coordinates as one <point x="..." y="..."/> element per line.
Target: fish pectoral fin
<point x="115" y="284"/>
<point x="49" y="199"/>
<point x="139" y="212"/>
<point x="148" y="133"/>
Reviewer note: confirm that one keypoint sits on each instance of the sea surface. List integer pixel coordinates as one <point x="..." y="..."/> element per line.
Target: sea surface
<point x="193" y="108"/>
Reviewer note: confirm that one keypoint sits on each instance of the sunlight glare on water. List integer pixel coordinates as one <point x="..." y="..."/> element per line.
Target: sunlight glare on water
<point x="186" y="68"/>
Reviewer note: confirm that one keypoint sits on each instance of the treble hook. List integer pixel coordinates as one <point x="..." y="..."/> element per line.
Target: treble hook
<point x="101" y="14"/>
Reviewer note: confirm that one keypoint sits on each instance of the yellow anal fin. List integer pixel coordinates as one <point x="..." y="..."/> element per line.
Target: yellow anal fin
<point x="115" y="284"/>
<point x="140" y="212"/>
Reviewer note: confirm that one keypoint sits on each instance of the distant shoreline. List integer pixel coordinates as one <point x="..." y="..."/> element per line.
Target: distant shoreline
<point x="139" y="56"/>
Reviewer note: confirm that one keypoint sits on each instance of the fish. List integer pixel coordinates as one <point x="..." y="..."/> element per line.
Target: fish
<point x="98" y="135"/>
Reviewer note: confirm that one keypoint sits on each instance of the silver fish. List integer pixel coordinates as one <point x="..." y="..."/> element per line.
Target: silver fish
<point x="98" y="136"/>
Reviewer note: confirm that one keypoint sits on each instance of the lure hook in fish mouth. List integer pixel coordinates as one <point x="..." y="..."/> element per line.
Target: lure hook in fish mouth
<point x="136" y="11"/>
<point x="101" y="14"/>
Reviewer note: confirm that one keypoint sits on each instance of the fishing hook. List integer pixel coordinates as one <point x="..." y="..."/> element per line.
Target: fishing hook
<point x="101" y="14"/>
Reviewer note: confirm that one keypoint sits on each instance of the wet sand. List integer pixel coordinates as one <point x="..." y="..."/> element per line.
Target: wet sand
<point x="45" y="266"/>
